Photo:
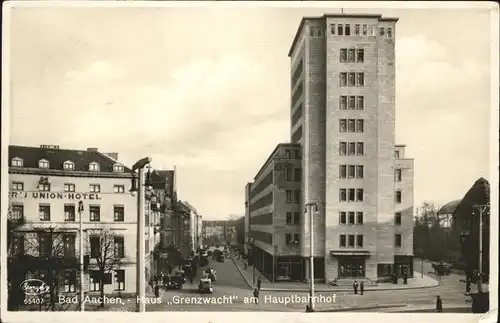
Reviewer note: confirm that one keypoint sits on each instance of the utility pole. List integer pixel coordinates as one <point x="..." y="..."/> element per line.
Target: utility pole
<point x="482" y="209"/>
<point x="82" y="276"/>
<point x="254" y="254"/>
<point x="310" y="209"/>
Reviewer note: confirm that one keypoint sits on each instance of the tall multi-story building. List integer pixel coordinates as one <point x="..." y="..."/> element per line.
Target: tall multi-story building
<point x="343" y="118"/>
<point x="47" y="185"/>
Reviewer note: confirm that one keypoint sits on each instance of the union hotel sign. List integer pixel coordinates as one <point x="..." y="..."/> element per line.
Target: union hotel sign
<point x="54" y="196"/>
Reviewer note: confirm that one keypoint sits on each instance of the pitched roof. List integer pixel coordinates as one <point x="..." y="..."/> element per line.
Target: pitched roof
<point x="56" y="157"/>
<point x="449" y="207"/>
<point x="478" y="194"/>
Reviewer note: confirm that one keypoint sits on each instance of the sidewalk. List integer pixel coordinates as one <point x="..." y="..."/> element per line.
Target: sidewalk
<point x="416" y="282"/>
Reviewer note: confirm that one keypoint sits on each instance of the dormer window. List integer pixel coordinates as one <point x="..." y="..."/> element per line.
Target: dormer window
<point x="94" y="166"/>
<point x="17" y="162"/>
<point x="118" y="168"/>
<point x="43" y="163"/>
<point x="69" y="165"/>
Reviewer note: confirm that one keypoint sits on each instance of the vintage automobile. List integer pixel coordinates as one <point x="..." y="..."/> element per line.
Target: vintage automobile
<point x="179" y="275"/>
<point x="442" y="268"/>
<point x="174" y="282"/>
<point x="205" y="285"/>
<point x="210" y="273"/>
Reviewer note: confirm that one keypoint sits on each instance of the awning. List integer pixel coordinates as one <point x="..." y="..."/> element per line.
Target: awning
<point x="336" y="253"/>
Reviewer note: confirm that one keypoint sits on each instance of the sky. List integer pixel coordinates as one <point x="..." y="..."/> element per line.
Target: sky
<point x="207" y="89"/>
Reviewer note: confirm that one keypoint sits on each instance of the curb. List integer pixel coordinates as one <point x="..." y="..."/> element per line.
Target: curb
<point x="250" y="286"/>
<point x="360" y="308"/>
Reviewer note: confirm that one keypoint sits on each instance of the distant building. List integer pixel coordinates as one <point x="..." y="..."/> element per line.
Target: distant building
<point x="214" y="231"/>
<point x="445" y="214"/>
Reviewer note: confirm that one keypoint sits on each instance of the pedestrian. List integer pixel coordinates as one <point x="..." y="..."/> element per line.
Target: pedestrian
<point x="439" y="304"/>
<point x="362" y="287"/>
<point x="467" y="286"/>
<point x="355" y="286"/>
<point x="245" y="264"/>
<point x="157" y="290"/>
<point x="405" y="278"/>
<point x="259" y="283"/>
<point x="256" y="295"/>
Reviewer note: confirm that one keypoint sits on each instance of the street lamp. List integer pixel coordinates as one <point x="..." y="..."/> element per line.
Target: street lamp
<point x="80" y="232"/>
<point x="482" y="208"/>
<point x="141" y="197"/>
<point x="254" y="260"/>
<point x="310" y="209"/>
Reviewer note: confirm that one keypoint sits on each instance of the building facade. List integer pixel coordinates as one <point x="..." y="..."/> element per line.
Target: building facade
<point x="47" y="185"/>
<point x="214" y="232"/>
<point x="343" y="120"/>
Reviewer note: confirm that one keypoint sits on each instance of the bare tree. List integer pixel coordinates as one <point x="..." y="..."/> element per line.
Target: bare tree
<point x="107" y="249"/>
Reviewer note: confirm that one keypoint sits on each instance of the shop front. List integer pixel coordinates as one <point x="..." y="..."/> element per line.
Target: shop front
<point x="351" y="264"/>
<point x="402" y="265"/>
<point x="289" y="268"/>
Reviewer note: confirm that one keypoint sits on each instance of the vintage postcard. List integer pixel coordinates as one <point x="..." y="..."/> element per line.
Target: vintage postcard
<point x="282" y="161"/>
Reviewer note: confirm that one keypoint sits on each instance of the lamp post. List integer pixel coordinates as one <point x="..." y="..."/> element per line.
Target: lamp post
<point x="482" y="208"/>
<point x="80" y="232"/>
<point x="254" y="258"/>
<point x="275" y="249"/>
<point x="141" y="206"/>
<point x="310" y="209"/>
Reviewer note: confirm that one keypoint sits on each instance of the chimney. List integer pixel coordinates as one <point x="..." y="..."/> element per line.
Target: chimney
<point x="92" y="149"/>
<point x="112" y="155"/>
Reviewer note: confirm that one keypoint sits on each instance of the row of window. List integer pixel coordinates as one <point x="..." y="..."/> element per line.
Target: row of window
<point x="352" y="55"/>
<point x="70" y="280"/>
<point x="351" y="171"/>
<point x="351" y="148"/>
<point x="68" y="187"/>
<point x="44" y="212"/>
<point x="67" y="165"/>
<point x="292" y="239"/>
<point x="296" y="153"/>
<point x="352" y="125"/>
<point x="352" y="79"/>
<point x="356" y="240"/>
<point x="359" y="30"/>
<point x="351" y="102"/>
<point x="351" y="195"/>
<point x="297" y="174"/>
<point x="352" y="218"/>
<point x="293" y="218"/>
<point x="292" y="196"/>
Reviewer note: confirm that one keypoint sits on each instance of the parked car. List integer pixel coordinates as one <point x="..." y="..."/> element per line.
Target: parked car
<point x="442" y="268"/>
<point x="210" y="273"/>
<point x="205" y="286"/>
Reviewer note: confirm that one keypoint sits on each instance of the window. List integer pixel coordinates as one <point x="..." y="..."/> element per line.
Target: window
<point x="298" y="174"/>
<point x="44" y="245"/>
<point x="120" y="279"/>
<point x="360" y="125"/>
<point x="343" y="79"/>
<point x="119" y="189"/>
<point x="297" y="154"/>
<point x="351" y="218"/>
<point x="292" y="239"/>
<point x="332" y="29"/>
<point x="69" y="281"/>
<point x="359" y="195"/>
<point x="17" y="162"/>
<point x="397" y="240"/>
<point x="119" y="247"/>
<point x="352" y="171"/>
<point x="95" y="213"/>
<point x="351" y="125"/>
<point x="360" y="148"/>
<point x="118" y="168"/>
<point x="343" y="55"/>
<point x="397" y="218"/>
<point x="69" y="245"/>
<point x="365" y="30"/>
<point x="44" y="187"/>
<point x="398" y="197"/>
<point x="342" y="242"/>
<point x="69" y="212"/>
<point x="69" y="165"/>
<point x="289" y="196"/>
<point x="342" y="171"/>
<point x="373" y="30"/>
<point x="356" y="30"/>
<point x="17" y="212"/>
<point x="352" y="148"/>
<point x="43" y="164"/>
<point x="288" y="174"/>
<point x="343" y="102"/>
<point x="17" y="186"/>
<point x="389" y="32"/>
<point x="340" y="30"/>
<point x="343" y="148"/>
<point x="95" y="280"/>
<point x="342" y="125"/>
<point x="361" y="79"/>
<point x="351" y="55"/>
<point x="360" y="56"/>
<point x="398" y="175"/>
<point x="352" y="195"/>
<point x="44" y="212"/>
<point x="94" y="166"/>
<point x="95" y="247"/>
<point x="289" y="219"/>
<point x="347" y="30"/>
<point x="359" y="241"/>
<point x="382" y="31"/>
<point x="351" y="241"/>
<point x="296" y="196"/>
<point x="352" y="103"/>
<point x="119" y="213"/>
<point x="95" y="188"/>
<point x="69" y="187"/>
<point x="396" y="154"/>
<point x="351" y="79"/>
<point x="296" y="217"/>
<point x="296" y="238"/>
<point x="359" y="217"/>
<point x="343" y="195"/>
<point x="360" y="171"/>
<point x="360" y="104"/>
<point x="342" y="218"/>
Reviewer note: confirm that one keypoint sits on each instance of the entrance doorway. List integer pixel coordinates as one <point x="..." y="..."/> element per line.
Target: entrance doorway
<point x="352" y="267"/>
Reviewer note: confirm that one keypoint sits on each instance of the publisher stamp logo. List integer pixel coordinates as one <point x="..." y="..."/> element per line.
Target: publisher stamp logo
<point x="34" y="287"/>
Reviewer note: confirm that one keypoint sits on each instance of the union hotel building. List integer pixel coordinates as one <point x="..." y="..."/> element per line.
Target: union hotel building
<point x="46" y="185"/>
<point x="342" y="156"/>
